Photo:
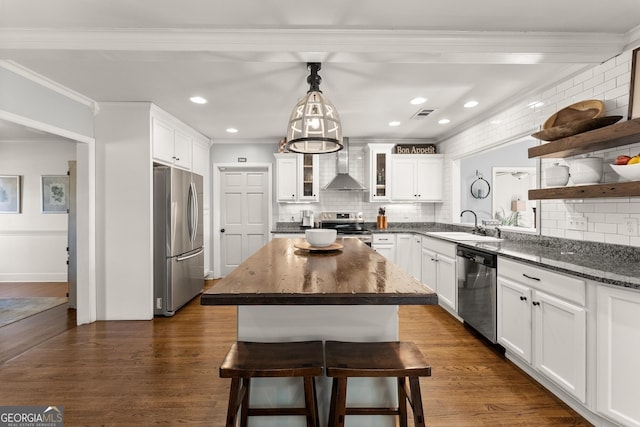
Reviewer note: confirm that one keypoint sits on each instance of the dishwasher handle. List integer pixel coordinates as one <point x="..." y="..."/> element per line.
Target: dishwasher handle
<point x="486" y="259"/>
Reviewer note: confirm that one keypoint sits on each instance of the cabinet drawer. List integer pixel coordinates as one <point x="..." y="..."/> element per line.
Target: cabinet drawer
<point x="439" y="246"/>
<point x="567" y="287"/>
<point x="383" y="238"/>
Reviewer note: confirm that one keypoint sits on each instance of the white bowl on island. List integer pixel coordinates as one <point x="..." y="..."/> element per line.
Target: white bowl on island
<point x="320" y="237"/>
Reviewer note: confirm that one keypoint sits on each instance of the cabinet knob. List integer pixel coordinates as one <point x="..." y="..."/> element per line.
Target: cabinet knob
<point x="523" y="298"/>
<point x="535" y="302"/>
<point x="222" y="230"/>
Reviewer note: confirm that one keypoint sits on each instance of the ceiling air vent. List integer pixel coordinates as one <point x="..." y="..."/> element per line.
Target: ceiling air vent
<point x="422" y="113"/>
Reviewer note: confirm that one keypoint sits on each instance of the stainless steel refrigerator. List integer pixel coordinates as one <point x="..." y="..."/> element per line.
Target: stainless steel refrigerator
<point x="178" y="252"/>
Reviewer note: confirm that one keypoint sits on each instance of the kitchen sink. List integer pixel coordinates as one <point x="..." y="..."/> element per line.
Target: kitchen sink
<point x="463" y="236"/>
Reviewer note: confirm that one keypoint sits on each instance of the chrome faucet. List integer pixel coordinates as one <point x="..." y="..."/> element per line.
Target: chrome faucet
<point x="475" y="219"/>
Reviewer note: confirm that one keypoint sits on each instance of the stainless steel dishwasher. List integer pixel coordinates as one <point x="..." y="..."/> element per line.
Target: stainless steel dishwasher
<point x="477" y="290"/>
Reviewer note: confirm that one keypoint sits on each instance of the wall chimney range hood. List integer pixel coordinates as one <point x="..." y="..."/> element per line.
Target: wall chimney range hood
<point x="343" y="181"/>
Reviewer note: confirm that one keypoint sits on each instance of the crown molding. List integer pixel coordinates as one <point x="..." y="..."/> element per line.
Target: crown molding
<point x="404" y="45"/>
<point x="633" y="38"/>
<point x="49" y="84"/>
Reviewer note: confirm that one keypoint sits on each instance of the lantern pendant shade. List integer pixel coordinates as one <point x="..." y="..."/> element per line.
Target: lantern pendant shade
<point x="314" y="125"/>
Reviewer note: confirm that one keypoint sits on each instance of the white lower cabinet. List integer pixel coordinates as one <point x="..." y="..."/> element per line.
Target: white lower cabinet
<point x="439" y="271"/>
<point x="618" y="355"/>
<point x="416" y="256"/>
<point x="385" y="245"/>
<point x="409" y="253"/>
<point x="542" y="320"/>
<point x="403" y="251"/>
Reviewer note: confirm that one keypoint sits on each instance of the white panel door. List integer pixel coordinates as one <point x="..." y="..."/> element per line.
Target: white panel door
<point x="403" y="178"/>
<point x="447" y="282"/>
<point x="561" y="343"/>
<point x="287" y="178"/>
<point x="429" y="273"/>
<point x="403" y="251"/>
<point x="416" y="257"/>
<point x="514" y="317"/>
<point x="618" y="339"/>
<point x="429" y="179"/>
<point x="244" y="217"/>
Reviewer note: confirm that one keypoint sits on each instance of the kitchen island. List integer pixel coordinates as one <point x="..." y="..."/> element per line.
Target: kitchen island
<point x="284" y="293"/>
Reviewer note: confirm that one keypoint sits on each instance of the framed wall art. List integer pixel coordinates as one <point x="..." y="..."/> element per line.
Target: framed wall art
<point x="55" y="193"/>
<point x="634" y="93"/>
<point x="10" y="193"/>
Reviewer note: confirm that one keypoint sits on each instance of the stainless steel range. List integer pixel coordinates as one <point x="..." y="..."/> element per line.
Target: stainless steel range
<point x="347" y="224"/>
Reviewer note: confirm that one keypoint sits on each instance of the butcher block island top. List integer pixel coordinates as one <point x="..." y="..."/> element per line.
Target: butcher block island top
<point x="282" y="274"/>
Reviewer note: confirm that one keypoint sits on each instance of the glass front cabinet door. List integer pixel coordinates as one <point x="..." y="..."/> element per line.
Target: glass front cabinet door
<point x="377" y="171"/>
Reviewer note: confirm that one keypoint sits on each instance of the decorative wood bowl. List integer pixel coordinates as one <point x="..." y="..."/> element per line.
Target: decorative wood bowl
<point x="575" y="128"/>
<point x="583" y="110"/>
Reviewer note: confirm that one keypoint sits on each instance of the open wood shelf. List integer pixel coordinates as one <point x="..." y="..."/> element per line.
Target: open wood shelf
<point x="612" y="136"/>
<point x="614" y="189"/>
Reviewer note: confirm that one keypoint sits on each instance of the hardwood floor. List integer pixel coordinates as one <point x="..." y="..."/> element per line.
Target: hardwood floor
<point x="33" y="289"/>
<point x="165" y="371"/>
<point x="18" y="337"/>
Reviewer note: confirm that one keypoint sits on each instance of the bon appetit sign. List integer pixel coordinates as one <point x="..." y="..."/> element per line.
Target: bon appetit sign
<point x="415" y="149"/>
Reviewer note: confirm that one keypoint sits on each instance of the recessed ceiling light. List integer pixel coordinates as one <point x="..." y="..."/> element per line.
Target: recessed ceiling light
<point x="470" y="104"/>
<point x="444" y="121"/>
<point x="394" y="123"/>
<point x="418" y="100"/>
<point x="232" y="130"/>
<point x="198" y="100"/>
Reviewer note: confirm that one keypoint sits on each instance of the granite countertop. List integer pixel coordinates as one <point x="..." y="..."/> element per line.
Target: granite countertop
<point x="281" y="273"/>
<point x="616" y="265"/>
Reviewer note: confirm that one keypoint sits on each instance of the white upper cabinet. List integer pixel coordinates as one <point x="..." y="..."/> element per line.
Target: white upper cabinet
<point x="308" y="178"/>
<point x="170" y="146"/>
<point x="297" y="177"/>
<point x="377" y="168"/>
<point x="416" y="178"/>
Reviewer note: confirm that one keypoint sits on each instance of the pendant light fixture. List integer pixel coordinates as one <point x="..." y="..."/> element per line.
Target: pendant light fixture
<point x="314" y="125"/>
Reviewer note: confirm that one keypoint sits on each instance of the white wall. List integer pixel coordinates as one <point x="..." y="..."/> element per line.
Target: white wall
<point x="33" y="244"/>
<point x="609" y="82"/>
<point x="124" y="211"/>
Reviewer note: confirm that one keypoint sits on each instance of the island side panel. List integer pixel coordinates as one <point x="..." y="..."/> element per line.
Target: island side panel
<point x="298" y="323"/>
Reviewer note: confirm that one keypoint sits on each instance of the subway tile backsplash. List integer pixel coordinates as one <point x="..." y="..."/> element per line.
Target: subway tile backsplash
<point x="353" y="201"/>
<point x="609" y="220"/>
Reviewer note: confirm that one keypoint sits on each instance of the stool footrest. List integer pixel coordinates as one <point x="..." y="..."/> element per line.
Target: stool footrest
<point x="371" y="411"/>
<point x="266" y="412"/>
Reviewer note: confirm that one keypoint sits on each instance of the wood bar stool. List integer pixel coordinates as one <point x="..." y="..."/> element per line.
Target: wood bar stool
<point x="246" y="360"/>
<point x="400" y="359"/>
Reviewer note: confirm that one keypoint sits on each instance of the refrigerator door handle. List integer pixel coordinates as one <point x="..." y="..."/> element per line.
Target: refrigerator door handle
<point x="195" y="210"/>
<point x="191" y="211"/>
<point x="186" y="257"/>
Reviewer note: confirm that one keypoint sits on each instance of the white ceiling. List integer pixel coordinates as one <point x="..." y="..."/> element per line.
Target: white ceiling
<point x="248" y="57"/>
